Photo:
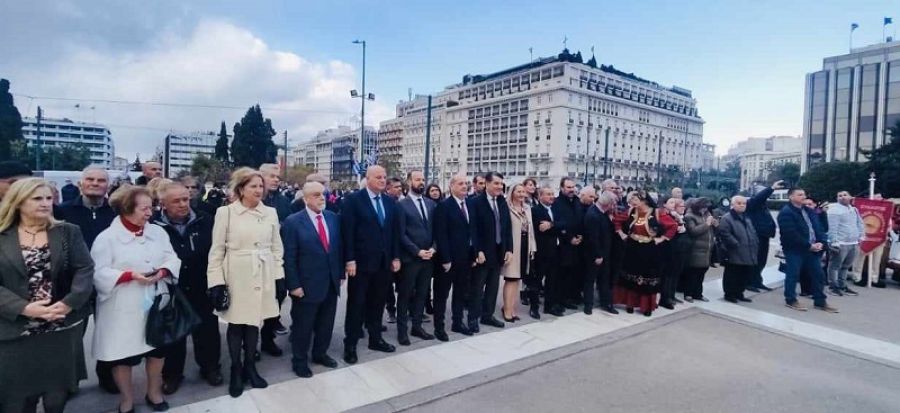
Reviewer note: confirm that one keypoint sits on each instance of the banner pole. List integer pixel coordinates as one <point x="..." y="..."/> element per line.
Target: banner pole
<point x="871" y="265"/>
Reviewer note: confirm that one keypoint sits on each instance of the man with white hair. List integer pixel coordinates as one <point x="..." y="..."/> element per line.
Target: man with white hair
<point x="741" y="243"/>
<point x="314" y="273"/>
<point x="93" y="215"/>
<point x="598" y="233"/>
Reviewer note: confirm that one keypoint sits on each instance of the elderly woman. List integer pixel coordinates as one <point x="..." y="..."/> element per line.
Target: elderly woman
<point x="45" y="284"/>
<point x="701" y="227"/>
<point x="245" y="260"/>
<point x="131" y="257"/>
<point x="524" y="247"/>
<point x="647" y="228"/>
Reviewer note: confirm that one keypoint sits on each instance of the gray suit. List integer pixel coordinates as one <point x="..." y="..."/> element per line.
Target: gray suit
<point x="416" y="233"/>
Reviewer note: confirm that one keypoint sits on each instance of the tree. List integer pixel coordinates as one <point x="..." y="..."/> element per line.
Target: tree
<point x="252" y="145"/>
<point x="208" y="169"/>
<point x="825" y="180"/>
<point x="297" y="174"/>
<point x="10" y="122"/>
<point x="885" y="162"/>
<point x="787" y="172"/>
<point x="222" y="145"/>
<point x="65" y="157"/>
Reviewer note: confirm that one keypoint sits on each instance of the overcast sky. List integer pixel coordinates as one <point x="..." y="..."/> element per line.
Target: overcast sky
<point x="744" y="61"/>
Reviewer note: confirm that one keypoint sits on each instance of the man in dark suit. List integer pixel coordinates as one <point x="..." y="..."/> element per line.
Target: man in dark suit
<point x="546" y="258"/>
<point x="371" y="252"/>
<point x="598" y="233"/>
<point x="416" y="214"/>
<point x="493" y="244"/>
<point x="569" y="216"/>
<point x="454" y="237"/>
<point x="314" y="275"/>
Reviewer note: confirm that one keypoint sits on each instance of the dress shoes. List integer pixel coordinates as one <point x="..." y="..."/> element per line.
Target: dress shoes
<point x="170" y="386"/>
<point x="752" y="289"/>
<point x="744" y="300"/>
<point x="677" y="301"/>
<point x="570" y="305"/>
<point x="493" y="322"/>
<point x="269" y="347"/>
<point x="588" y="310"/>
<point x="157" y="407"/>
<point x="420" y="333"/>
<point x="629" y="310"/>
<point x="303" y="371"/>
<point x="403" y="339"/>
<point x="350" y="356"/>
<point x="731" y="300"/>
<point x="556" y="311"/>
<point x="382" y="346"/>
<point x="534" y="313"/>
<point x="325" y="360"/>
<point x="213" y="377"/>
<point x="762" y="287"/>
<point x="441" y="335"/>
<point x="461" y="329"/>
<point x="610" y="309"/>
<point x="667" y="305"/>
<point x="648" y="313"/>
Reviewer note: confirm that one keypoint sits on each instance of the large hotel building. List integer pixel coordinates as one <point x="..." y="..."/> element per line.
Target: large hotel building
<point x="850" y="104"/>
<point x="558" y="117"/>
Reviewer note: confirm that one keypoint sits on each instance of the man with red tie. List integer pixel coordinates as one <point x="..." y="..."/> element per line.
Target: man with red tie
<point x="314" y="273"/>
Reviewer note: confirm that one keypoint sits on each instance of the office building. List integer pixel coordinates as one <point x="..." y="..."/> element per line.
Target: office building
<point x="66" y="133"/>
<point x="180" y="149"/>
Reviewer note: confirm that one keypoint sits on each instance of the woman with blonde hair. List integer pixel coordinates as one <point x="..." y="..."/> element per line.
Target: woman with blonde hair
<point x="245" y="260"/>
<point x="524" y="247"/>
<point x="45" y="284"/>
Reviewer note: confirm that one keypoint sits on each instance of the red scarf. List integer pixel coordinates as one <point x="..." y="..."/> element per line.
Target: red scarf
<point x="132" y="228"/>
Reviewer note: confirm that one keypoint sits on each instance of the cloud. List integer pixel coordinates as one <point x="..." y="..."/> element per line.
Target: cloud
<point x="214" y="63"/>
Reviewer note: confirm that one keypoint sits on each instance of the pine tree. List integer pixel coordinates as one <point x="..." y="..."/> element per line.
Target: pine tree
<point x="222" y="145"/>
<point x="10" y="122"/>
<point x="252" y="145"/>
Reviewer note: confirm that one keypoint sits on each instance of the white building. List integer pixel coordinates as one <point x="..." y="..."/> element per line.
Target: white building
<point x="850" y="104"/>
<point x="760" y="155"/>
<point x="323" y="149"/>
<point x="558" y="117"/>
<point x="66" y="132"/>
<point x="180" y="149"/>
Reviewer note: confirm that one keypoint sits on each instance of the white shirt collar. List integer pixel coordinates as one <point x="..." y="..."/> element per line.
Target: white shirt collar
<point x="371" y="194"/>
<point x="313" y="214"/>
<point x="458" y="201"/>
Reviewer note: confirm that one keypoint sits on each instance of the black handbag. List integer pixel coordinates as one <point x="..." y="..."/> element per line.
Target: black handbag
<point x="218" y="295"/>
<point x="171" y="317"/>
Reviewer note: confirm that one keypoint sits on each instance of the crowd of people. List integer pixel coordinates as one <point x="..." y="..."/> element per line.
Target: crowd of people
<point x="401" y="246"/>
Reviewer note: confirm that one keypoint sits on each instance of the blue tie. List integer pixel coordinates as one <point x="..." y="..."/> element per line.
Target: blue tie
<point x="379" y="210"/>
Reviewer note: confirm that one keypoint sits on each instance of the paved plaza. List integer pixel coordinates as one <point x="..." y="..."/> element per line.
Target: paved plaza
<point x="705" y="357"/>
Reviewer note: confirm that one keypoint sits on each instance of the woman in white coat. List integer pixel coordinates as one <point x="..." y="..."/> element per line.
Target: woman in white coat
<point x="246" y="259"/>
<point x="130" y="257"/>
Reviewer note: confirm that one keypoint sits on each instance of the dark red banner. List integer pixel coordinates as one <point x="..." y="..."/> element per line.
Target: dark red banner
<point x="876" y="216"/>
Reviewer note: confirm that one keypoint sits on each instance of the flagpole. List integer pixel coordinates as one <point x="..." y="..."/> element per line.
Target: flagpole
<point x="871" y="265"/>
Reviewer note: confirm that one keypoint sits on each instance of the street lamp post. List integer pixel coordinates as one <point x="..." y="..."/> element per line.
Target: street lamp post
<point x="362" y="111"/>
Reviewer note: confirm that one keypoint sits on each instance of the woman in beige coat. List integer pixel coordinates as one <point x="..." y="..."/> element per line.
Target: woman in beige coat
<point x="245" y="259"/>
<point x="524" y="246"/>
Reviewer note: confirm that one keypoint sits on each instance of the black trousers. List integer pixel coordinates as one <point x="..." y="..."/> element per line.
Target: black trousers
<point x="312" y="322"/>
<point x="762" y="255"/>
<point x="597" y="275"/>
<point x="485" y="286"/>
<point x="734" y="281"/>
<point x="575" y="280"/>
<point x="267" y="332"/>
<point x="459" y="279"/>
<point x="206" y="339"/>
<point x="412" y="292"/>
<point x="671" y="270"/>
<point x="548" y="273"/>
<point x="693" y="281"/>
<point x="390" y="301"/>
<point x="366" y="294"/>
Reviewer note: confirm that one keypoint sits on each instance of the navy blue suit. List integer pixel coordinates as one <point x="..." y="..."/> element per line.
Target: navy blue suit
<point x="486" y="280"/>
<point x="795" y="242"/>
<point x="455" y="238"/>
<point x="308" y="265"/>
<point x="416" y="234"/>
<point x="373" y="245"/>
